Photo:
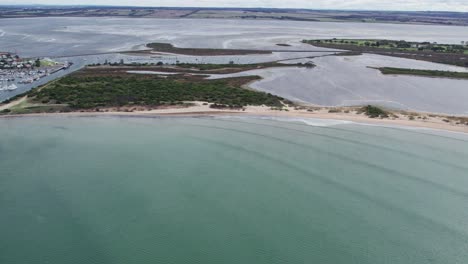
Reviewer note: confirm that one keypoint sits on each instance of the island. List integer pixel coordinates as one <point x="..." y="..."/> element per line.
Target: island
<point x="452" y="54"/>
<point x="423" y="73"/>
<point x="169" y="48"/>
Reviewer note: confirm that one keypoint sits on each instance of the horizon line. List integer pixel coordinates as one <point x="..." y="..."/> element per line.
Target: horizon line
<point x="219" y="7"/>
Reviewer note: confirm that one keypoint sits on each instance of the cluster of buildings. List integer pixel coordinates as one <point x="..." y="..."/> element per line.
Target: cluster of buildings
<point x="10" y="61"/>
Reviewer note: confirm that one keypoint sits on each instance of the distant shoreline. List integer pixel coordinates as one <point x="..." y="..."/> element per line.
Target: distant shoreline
<point x="443" y="18"/>
<point x="244" y="19"/>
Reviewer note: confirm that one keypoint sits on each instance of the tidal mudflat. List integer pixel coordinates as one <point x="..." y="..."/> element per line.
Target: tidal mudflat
<point x="65" y="36"/>
<point x="349" y="80"/>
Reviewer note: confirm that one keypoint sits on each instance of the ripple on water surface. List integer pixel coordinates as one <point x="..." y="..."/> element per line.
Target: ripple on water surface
<point x="229" y="190"/>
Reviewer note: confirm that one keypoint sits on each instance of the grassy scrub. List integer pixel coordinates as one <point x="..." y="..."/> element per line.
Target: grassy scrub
<point x="396" y="44"/>
<point x="451" y="54"/>
<point x="207" y="68"/>
<point x="166" y="47"/>
<point x="427" y="73"/>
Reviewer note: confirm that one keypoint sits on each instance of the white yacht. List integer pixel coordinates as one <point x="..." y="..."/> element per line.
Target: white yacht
<point x="7" y="87"/>
<point x="12" y="87"/>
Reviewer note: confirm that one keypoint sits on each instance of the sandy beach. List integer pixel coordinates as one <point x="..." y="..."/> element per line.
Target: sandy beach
<point x="418" y="120"/>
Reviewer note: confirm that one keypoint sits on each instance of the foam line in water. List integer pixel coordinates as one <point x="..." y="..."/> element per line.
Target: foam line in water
<point x="307" y="121"/>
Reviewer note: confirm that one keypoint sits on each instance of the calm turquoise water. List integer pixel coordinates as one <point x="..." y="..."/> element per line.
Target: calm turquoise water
<point x="202" y="190"/>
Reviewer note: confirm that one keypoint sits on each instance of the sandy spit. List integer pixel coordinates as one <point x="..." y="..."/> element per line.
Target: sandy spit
<point x="200" y="109"/>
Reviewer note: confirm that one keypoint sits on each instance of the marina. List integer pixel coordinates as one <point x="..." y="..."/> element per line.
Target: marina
<point x="13" y="78"/>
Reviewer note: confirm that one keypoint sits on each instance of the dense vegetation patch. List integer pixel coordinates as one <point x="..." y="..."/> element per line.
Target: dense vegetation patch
<point x="84" y="92"/>
<point x="374" y="112"/>
<point x="428" y="73"/>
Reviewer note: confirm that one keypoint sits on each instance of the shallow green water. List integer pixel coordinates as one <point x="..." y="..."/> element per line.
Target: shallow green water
<point x="200" y="190"/>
